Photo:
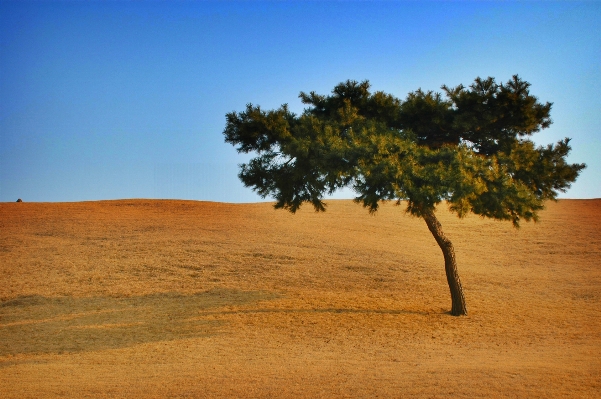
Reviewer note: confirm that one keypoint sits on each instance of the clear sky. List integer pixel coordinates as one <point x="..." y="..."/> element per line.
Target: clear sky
<point x="109" y="100"/>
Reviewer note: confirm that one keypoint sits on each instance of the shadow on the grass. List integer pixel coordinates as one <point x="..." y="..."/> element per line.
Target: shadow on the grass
<point x="324" y="310"/>
<point x="37" y="324"/>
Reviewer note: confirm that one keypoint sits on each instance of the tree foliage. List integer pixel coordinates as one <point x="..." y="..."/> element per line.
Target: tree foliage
<point x="468" y="146"/>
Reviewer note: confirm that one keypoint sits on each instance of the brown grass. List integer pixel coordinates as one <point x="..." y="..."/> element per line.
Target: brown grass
<point x="182" y="299"/>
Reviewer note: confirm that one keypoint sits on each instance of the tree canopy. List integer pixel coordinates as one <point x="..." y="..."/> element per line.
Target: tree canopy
<point x="468" y="146"/>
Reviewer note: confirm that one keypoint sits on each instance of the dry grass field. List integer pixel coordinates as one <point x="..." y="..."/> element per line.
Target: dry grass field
<point x="184" y="299"/>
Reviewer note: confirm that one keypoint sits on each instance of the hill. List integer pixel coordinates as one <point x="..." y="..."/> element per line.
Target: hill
<point x="185" y="299"/>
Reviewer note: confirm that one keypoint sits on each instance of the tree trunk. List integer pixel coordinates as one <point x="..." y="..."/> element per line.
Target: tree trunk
<point x="450" y="264"/>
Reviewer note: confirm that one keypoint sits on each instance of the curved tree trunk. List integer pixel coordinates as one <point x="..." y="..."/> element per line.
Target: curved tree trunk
<point x="450" y="264"/>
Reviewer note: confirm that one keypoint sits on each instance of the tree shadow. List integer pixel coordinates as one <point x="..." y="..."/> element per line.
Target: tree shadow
<point x="42" y="325"/>
<point x="323" y="310"/>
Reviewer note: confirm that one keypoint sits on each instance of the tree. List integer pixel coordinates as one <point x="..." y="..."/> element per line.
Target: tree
<point x="468" y="147"/>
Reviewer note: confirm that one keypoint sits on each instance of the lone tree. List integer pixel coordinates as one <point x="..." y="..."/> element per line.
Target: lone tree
<point x="468" y="147"/>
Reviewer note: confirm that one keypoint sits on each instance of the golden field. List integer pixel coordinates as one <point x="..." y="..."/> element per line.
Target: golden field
<point x="185" y="299"/>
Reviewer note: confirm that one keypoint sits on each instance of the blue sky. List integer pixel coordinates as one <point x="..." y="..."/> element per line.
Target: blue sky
<point x="107" y="100"/>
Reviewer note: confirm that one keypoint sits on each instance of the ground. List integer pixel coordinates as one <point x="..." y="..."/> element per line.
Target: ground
<point x="185" y="299"/>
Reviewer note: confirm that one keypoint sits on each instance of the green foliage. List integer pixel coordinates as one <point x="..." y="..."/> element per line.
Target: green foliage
<point x="468" y="147"/>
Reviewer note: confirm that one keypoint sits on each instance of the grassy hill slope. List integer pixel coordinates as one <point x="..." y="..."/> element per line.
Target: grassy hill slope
<point x="185" y="299"/>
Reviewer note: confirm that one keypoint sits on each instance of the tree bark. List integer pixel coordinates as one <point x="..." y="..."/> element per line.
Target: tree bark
<point x="450" y="264"/>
